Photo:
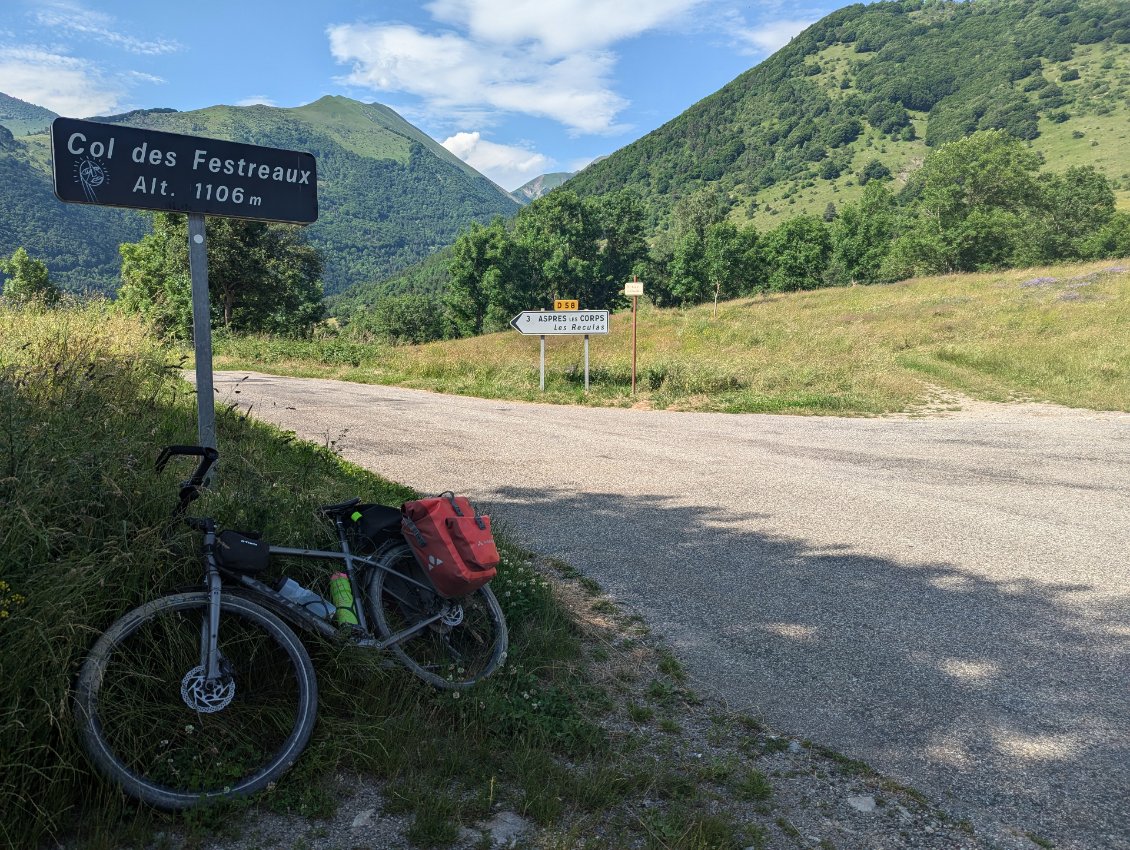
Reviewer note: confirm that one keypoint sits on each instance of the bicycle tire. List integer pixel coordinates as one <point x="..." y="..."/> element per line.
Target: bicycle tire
<point x="444" y="655"/>
<point x="144" y="726"/>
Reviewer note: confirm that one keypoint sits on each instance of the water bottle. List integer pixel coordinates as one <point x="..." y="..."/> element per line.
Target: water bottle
<point x="342" y="594"/>
<point x="308" y="599"/>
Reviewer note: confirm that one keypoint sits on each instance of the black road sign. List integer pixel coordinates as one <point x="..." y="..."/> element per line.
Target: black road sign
<point x="117" y="166"/>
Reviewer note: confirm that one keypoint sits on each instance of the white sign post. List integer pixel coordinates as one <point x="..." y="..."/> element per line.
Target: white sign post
<point x="542" y="323"/>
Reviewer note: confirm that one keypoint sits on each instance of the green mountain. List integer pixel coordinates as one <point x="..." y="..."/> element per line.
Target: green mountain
<point x="883" y="83"/>
<point x="389" y="196"/>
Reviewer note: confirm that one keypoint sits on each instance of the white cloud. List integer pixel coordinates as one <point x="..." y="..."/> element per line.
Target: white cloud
<point x="771" y="37"/>
<point x="74" y="18"/>
<point x="507" y="165"/>
<point x="545" y="58"/>
<point x="560" y="27"/>
<point x="256" y="100"/>
<point x="63" y="84"/>
<point x="452" y="74"/>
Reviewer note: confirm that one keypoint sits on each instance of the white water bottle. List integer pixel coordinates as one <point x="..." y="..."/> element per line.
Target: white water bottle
<point x="308" y="599"/>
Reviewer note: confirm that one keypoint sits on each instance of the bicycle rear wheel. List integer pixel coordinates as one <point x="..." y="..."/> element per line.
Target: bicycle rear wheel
<point x="466" y="645"/>
<point x="150" y="722"/>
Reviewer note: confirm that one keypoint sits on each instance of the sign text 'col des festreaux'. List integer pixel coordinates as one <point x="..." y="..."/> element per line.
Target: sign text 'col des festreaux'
<point x="119" y="166"/>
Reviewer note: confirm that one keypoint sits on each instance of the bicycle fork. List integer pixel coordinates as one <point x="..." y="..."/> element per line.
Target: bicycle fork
<point x="209" y="687"/>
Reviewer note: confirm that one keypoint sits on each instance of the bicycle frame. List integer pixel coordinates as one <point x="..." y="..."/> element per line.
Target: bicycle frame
<point x="359" y="635"/>
<point x="272" y="599"/>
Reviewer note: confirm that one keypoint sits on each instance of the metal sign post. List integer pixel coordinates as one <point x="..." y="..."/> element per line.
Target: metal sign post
<point x="119" y="166"/>
<point x="567" y="323"/>
<point x="201" y="330"/>
<point x="586" y="363"/>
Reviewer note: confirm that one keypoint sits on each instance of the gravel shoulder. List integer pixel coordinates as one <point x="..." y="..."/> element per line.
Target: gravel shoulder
<point x="941" y="597"/>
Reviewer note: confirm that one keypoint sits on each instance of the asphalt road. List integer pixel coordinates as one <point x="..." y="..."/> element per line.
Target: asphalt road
<point x="947" y="599"/>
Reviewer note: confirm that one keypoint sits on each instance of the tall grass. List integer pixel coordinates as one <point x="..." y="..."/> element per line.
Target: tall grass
<point x="1059" y="334"/>
<point x="87" y="398"/>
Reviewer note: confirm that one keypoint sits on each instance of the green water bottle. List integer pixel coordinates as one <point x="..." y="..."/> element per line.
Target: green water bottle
<point x="342" y="595"/>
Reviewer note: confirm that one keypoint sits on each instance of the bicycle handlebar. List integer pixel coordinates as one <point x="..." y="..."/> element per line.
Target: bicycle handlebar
<point x="190" y="489"/>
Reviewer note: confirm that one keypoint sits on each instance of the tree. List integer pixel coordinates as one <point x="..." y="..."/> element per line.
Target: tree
<point x="732" y="259"/>
<point x="559" y="236"/>
<point x="483" y="261"/>
<point x="1075" y="205"/>
<point x="973" y="197"/>
<point x="28" y="279"/>
<point x="261" y="277"/>
<point x="623" y="243"/>
<point x="408" y="318"/>
<point x="1112" y="240"/>
<point x="797" y="253"/>
<point x="861" y="237"/>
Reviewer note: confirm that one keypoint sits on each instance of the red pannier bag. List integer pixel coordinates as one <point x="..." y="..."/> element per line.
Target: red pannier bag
<point x="452" y="542"/>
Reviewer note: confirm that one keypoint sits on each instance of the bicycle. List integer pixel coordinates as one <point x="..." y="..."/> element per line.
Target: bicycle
<point x="210" y="694"/>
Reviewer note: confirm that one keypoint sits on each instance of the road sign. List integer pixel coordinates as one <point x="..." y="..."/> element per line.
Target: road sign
<point x="118" y="166"/>
<point x="566" y="304"/>
<point x="633" y="287"/>
<point x="542" y="323"/>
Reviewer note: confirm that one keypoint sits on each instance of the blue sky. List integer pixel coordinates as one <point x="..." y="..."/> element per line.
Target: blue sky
<point x="516" y="88"/>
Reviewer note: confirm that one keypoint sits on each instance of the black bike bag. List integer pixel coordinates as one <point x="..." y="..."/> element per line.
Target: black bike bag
<point x="242" y="551"/>
<point x="371" y="525"/>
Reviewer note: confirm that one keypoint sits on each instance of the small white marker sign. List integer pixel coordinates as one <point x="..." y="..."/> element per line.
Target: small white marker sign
<point x="544" y="323"/>
<point x="633" y="287"/>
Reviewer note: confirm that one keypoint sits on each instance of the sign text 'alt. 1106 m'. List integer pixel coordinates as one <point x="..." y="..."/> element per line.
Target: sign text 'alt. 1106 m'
<point x="119" y="166"/>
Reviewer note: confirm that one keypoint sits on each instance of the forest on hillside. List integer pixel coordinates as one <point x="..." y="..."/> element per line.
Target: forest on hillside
<point x="978" y="203"/>
<point x="878" y="72"/>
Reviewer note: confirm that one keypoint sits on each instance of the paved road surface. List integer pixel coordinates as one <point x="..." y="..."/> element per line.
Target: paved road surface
<point x="947" y="599"/>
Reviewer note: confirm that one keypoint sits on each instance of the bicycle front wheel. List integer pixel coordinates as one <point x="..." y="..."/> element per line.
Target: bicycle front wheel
<point x="151" y="722"/>
<point x="466" y="644"/>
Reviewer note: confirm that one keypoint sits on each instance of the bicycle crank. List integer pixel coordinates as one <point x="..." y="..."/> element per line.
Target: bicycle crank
<point x="203" y="696"/>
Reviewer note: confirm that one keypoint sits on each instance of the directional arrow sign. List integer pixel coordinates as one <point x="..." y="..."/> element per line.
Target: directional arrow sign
<point x="541" y="323"/>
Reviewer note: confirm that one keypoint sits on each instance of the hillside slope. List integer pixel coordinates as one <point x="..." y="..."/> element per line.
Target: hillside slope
<point x="886" y="82"/>
<point x="389" y="196"/>
<point x="1059" y="334"/>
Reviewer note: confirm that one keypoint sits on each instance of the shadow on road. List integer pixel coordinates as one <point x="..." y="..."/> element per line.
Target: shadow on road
<point x="1006" y="701"/>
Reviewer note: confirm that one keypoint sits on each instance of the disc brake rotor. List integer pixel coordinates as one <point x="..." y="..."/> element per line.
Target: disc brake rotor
<point x="203" y="696"/>
<point x="452" y="616"/>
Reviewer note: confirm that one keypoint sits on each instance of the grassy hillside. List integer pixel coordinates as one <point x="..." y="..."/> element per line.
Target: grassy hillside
<point x="388" y="195"/>
<point x="883" y="82"/>
<point x="23" y="118"/>
<point x="1059" y="334"/>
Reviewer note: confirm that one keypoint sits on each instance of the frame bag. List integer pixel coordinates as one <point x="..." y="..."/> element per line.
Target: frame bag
<point x="451" y="541"/>
<point x="242" y="551"/>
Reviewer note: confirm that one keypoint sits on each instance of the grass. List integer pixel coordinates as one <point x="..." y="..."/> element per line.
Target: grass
<point x="86" y="400"/>
<point x="1059" y="334"/>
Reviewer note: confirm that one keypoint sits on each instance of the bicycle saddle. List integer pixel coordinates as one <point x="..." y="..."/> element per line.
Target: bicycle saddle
<point x="340" y="509"/>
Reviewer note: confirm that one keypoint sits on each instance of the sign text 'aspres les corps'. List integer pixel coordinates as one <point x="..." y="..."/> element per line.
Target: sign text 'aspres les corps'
<point x="539" y="323"/>
<point x="114" y="165"/>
